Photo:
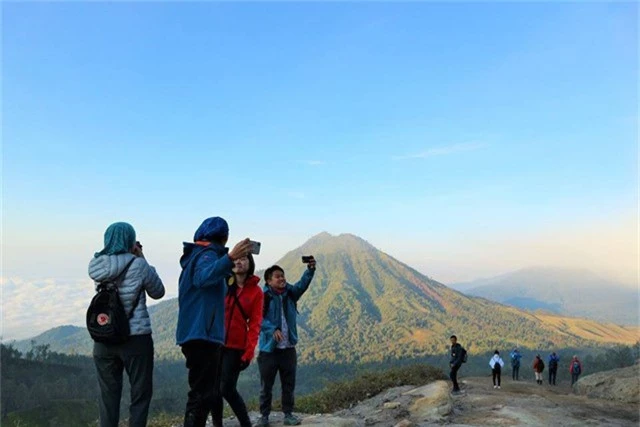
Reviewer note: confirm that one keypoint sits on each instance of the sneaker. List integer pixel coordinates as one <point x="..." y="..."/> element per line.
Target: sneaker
<point x="262" y="422"/>
<point x="498" y="387"/>
<point x="495" y="386"/>
<point x="291" y="420"/>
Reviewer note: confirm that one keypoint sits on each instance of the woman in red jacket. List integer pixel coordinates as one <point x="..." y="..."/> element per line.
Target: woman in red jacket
<point x="243" y="318"/>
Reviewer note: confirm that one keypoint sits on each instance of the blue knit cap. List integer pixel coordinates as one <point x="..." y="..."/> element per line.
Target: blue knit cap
<point x="211" y="228"/>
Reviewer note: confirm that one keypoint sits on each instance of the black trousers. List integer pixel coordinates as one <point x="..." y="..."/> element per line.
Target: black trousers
<point x="515" y="372"/>
<point x="496" y="375"/>
<point x="231" y="360"/>
<point x="453" y="374"/>
<point x="136" y="357"/>
<point x="203" y="363"/>
<point x="285" y="363"/>
<point x="552" y="375"/>
<point x="574" y="378"/>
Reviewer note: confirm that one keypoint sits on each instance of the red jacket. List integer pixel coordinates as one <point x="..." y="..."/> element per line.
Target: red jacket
<point x="242" y="333"/>
<point x="571" y="365"/>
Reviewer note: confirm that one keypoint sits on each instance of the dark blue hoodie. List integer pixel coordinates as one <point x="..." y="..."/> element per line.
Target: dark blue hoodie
<point x="201" y="292"/>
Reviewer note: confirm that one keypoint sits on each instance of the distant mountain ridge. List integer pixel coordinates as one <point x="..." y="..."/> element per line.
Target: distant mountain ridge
<point x="563" y="291"/>
<point x="363" y="305"/>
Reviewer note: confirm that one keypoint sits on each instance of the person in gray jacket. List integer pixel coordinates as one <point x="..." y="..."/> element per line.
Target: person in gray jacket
<point x="122" y="251"/>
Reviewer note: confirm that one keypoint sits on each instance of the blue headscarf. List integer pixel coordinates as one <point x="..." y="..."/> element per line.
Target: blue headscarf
<point x="211" y="228"/>
<point x="118" y="239"/>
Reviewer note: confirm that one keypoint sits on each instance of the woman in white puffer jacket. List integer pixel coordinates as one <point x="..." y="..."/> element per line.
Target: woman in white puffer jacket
<point x="496" y="364"/>
<point x="135" y="355"/>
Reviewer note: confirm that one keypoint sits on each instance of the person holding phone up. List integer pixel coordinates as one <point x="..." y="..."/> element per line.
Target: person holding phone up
<point x="278" y="339"/>
<point x="206" y="265"/>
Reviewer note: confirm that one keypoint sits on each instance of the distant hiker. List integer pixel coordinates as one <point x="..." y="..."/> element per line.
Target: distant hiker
<point x="515" y="364"/>
<point x="575" y="368"/>
<point x="538" y="368"/>
<point x="243" y="317"/>
<point x="457" y="358"/>
<point x="496" y="363"/>
<point x="122" y="261"/>
<point x="206" y="264"/>
<point x="554" y="359"/>
<point x="278" y="339"/>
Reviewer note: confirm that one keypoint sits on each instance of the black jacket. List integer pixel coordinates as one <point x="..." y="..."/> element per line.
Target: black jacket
<point x="456" y="354"/>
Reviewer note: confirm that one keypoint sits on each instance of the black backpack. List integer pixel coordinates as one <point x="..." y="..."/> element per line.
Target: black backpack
<point x="107" y="320"/>
<point x="464" y="354"/>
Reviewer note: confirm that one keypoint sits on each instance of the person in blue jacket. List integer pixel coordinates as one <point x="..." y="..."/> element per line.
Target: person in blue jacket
<point x="515" y="364"/>
<point x="554" y="359"/>
<point x="206" y="264"/>
<point x="278" y="339"/>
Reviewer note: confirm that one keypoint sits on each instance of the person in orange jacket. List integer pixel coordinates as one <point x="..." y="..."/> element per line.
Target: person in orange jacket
<point x="243" y="318"/>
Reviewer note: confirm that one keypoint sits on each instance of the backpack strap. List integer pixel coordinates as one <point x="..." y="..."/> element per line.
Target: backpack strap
<point x="237" y="302"/>
<point x="120" y="277"/>
<point x="119" y="281"/>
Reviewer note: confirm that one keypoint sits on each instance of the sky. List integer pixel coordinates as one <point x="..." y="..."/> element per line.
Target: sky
<point x="464" y="139"/>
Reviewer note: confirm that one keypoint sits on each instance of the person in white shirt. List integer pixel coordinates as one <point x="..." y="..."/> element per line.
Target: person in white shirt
<point x="496" y="363"/>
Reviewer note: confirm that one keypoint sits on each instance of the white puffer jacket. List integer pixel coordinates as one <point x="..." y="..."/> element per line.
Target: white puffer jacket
<point x="139" y="276"/>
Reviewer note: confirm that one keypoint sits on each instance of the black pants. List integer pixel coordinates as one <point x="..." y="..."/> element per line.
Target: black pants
<point x="552" y="375"/>
<point x="454" y="377"/>
<point x="203" y="363"/>
<point x="574" y="378"/>
<point x="496" y="374"/>
<point x="231" y="359"/>
<point x="136" y="357"/>
<point x="515" y="372"/>
<point x="270" y="364"/>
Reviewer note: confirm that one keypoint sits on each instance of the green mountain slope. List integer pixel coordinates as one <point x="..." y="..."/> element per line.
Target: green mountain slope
<point x="363" y="305"/>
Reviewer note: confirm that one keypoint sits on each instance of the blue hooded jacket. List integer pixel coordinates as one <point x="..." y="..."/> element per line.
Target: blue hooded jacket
<point x="201" y="292"/>
<point x="272" y="318"/>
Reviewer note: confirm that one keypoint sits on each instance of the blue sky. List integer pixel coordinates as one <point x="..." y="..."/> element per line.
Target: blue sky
<point x="444" y="134"/>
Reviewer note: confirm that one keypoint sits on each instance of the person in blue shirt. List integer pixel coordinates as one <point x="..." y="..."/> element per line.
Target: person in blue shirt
<point x="553" y="367"/>
<point x="515" y="364"/>
<point x="278" y="339"/>
<point x="206" y="264"/>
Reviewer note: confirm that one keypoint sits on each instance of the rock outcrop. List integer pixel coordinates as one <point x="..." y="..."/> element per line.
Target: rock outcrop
<point x="618" y="384"/>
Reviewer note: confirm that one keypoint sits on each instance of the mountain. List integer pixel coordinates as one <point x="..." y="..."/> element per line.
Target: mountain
<point x="363" y="305"/>
<point x="567" y="292"/>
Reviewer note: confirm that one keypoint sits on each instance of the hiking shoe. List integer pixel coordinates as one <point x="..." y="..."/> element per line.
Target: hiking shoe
<point x="291" y="420"/>
<point x="262" y="422"/>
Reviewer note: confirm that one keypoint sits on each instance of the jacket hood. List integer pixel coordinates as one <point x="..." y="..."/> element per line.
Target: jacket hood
<point x="189" y="250"/>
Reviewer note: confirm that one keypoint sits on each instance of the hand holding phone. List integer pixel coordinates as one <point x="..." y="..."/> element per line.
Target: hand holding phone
<point x="310" y="261"/>
<point x="255" y="247"/>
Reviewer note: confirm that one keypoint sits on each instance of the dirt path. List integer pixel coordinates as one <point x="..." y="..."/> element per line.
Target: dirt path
<point x="527" y="403"/>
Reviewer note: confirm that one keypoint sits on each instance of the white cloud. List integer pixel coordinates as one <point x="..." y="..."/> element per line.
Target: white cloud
<point x="315" y="162"/>
<point x="296" y="194"/>
<point x="30" y="307"/>
<point x="443" y="151"/>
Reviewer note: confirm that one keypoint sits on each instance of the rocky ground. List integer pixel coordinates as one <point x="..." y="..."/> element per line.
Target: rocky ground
<point x="517" y="403"/>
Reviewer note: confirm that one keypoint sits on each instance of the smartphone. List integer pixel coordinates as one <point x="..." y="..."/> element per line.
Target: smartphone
<point x="307" y="259"/>
<point x="255" y="247"/>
